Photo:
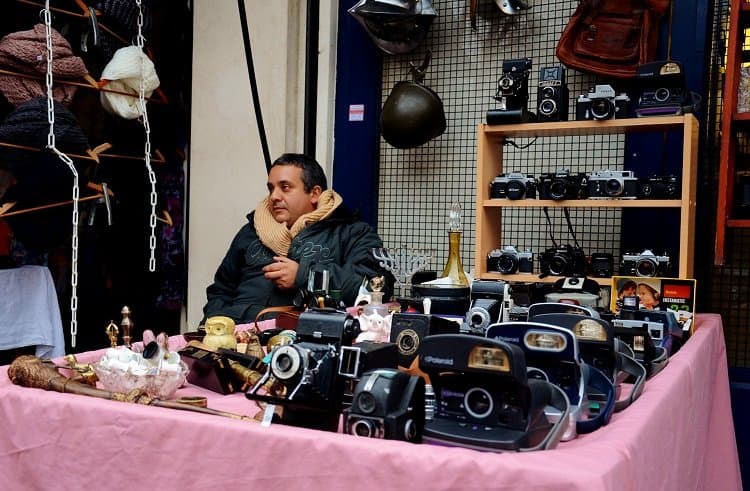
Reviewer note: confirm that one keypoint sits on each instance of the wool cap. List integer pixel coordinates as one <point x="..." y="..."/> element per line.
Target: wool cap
<point x="26" y="52"/>
<point x="123" y="74"/>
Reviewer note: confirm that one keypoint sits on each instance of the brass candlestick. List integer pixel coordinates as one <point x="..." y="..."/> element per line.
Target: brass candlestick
<point x="112" y="332"/>
<point x="126" y="326"/>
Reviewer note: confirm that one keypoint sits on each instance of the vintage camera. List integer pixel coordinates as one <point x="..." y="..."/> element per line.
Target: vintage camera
<point x="483" y="398"/>
<point x="563" y="261"/>
<point x="601" y="102"/>
<point x="659" y="187"/>
<point x="387" y="404"/>
<point x="409" y="329"/>
<point x="513" y="185"/>
<point x="561" y="185"/>
<point x="645" y="264"/>
<point x="309" y="369"/>
<point x="662" y="89"/>
<point x="486" y="306"/>
<point x="602" y="264"/>
<point x="608" y="184"/>
<point x="512" y="94"/>
<point x="552" y="94"/>
<point x="509" y="260"/>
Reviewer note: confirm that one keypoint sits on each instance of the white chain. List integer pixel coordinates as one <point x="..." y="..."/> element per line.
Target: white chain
<point x="69" y="163"/>
<point x="140" y="41"/>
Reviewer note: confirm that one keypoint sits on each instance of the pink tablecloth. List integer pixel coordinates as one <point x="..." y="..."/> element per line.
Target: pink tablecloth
<point x="679" y="435"/>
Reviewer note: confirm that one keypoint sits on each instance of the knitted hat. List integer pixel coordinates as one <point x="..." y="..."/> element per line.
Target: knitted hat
<point x="123" y="74"/>
<point x="27" y="125"/>
<point x="26" y="52"/>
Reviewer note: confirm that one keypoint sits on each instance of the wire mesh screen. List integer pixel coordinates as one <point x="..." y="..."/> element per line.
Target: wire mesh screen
<point x="418" y="186"/>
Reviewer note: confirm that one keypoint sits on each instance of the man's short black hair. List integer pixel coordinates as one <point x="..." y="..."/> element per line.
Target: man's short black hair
<point x="312" y="172"/>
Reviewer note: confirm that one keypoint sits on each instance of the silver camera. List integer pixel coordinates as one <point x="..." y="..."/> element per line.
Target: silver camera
<point x="607" y="184"/>
<point x="602" y="102"/>
<point x="509" y="260"/>
<point x="645" y="264"/>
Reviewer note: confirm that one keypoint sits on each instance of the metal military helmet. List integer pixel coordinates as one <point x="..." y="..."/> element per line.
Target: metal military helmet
<point x="413" y="113"/>
<point x="395" y="26"/>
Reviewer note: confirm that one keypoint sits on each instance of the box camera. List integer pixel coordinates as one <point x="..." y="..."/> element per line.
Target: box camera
<point x="602" y="102"/>
<point x="409" y="329"/>
<point x="552" y="94"/>
<point x="483" y="398"/>
<point x="645" y="264"/>
<point x="513" y="185"/>
<point x="659" y="187"/>
<point x="608" y="184"/>
<point x="308" y="369"/>
<point x="486" y="306"/>
<point x="512" y="94"/>
<point x="387" y="404"/>
<point x="509" y="260"/>
<point x="563" y="261"/>
<point x="662" y="89"/>
<point x="561" y="185"/>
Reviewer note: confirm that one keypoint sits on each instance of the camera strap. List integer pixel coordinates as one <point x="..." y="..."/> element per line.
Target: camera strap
<point x="549" y="228"/>
<point x="566" y="211"/>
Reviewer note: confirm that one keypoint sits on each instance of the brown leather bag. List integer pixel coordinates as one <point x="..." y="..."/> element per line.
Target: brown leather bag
<point x="611" y="37"/>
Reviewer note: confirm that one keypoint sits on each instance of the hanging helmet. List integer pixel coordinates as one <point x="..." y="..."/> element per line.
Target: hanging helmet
<point x="413" y="113"/>
<point x="513" y="7"/>
<point x="395" y="26"/>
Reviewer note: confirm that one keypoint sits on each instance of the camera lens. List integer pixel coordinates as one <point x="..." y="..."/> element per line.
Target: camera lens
<point x="645" y="267"/>
<point x="558" y="189"/>
<point x="558" y="265"/>
<point x="478" y="403"/>
<point x="366" y="402"/>
<point x="507" y="264"/>
<point x="614" y="187"/>
<point x="285" y="362"/>
<point x="661" y="94"/>
<point x="548" y="92"/>
<point x="548" y="107"/>
<point x="363" y="427"/>
<point x="515" y="189"/>
<point x="506" y="82"/>
<point x="407" y="342"/>
<point x="602" y="109"/>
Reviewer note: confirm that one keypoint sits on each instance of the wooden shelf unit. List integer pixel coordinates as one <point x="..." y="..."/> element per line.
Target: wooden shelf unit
<point x="488" y="214"/>
<point x="731" y="121"/>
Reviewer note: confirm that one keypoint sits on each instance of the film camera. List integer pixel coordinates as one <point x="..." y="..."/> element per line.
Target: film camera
<point x="512" y="94"/>
<point x="508" y="260"/>
<point x="309" y="369"/>
<point x="486" y="306"/>
<point x="602" y="264"/>
<point x="563" y="261"/>
<point x="388" y="404"/>
<point x="602" y="102"/>
<point x="562" y="185"/>
<point x="483" y="398"/>
<point x="408" y="330"/>
<point x="552" y="94"/>
<point x="659" y="187"/>
<point x="645" y="264"/>
<point x="513" y="185"/>
<point x="663" y="90"/>
<point x="607" y="184"/>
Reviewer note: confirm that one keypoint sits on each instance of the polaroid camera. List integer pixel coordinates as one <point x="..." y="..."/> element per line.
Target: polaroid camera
<point x="552" y="355"/>
<point x="484" y="399"/>
<point x="662" y="89"/>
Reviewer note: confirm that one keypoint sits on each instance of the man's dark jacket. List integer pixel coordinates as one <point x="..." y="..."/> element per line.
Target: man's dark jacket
<point x="340" y="243"/>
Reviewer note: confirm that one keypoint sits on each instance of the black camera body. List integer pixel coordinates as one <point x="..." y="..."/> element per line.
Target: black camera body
<point x="602" y="264"/>
<point x="309" y="369"/>
<point x="552" y="94"/>
<point x="659" y="187"/>
<point x="483" y="399"/>
<point x="645" y="264"/>
<point x="512" y="94"/>
<point x="662" y="89"/>
<point x="486" y="306"/>
<point x="562" y="185"/>
<point x="408" y="330"/>
<point x="563" y="261"/>
<point x="509" y="260"/>
<point x="612" y="184"/>
<point x="513" y="185"/>
<point x="602" y="102"/>
<point x="387" y="404"/>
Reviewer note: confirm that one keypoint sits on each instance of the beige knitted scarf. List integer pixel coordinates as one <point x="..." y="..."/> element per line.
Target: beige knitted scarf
<point x="276" y="236"/>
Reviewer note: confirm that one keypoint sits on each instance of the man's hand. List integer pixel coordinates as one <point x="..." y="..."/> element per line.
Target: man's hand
<point x="283" y="272"/>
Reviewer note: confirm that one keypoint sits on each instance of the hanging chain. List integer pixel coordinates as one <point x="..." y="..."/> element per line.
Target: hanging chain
<point x="140" y="42"/>
<point x="69" y="163"/>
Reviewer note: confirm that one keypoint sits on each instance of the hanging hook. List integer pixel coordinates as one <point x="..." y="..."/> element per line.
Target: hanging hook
<point x="418" y="72"/>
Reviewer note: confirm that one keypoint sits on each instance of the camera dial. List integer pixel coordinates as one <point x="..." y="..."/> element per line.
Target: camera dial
<point x="478" y="402"/>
